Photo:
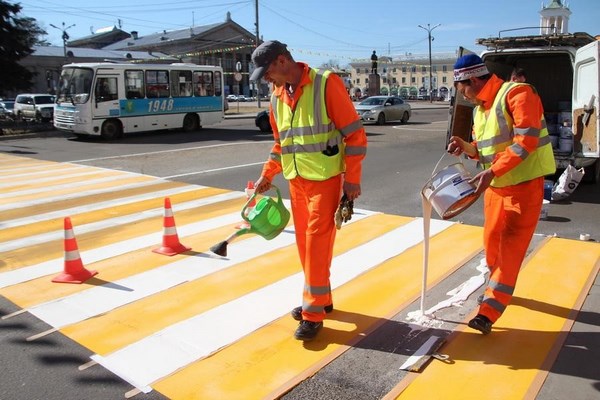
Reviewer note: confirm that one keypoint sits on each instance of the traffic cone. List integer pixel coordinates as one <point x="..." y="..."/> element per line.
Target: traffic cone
<point x="74" y="272"/>
<point x="170" y="244"/>
<point x="249" y="192"/>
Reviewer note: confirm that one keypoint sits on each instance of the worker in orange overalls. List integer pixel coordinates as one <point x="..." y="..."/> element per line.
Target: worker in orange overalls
<point x="319" y="146"/>
<point x="512" y="144"/>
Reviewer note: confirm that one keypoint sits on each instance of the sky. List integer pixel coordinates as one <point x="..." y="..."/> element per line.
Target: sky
<point x="319" y="31"/>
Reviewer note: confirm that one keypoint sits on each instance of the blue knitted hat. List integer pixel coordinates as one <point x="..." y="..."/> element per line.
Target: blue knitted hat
<point x="469" y="66"/>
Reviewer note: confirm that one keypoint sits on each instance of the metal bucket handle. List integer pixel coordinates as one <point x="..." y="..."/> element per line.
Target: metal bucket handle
<point x="435" y="169"/>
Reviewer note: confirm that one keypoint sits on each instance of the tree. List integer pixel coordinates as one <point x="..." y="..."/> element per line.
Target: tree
<point x="18" y="35"/>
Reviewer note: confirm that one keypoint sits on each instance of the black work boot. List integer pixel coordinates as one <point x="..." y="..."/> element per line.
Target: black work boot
<point x="481" y="323"/>
<point x="307" y="330"/>
<point x="297" y="312"/>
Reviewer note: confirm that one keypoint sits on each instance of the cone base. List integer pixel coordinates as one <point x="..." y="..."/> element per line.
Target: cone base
<point x="171" y="251"/>
<point x="77" y="277"/>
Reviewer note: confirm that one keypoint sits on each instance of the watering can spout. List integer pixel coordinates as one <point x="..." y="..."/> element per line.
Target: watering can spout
<point x="268" y="217"/>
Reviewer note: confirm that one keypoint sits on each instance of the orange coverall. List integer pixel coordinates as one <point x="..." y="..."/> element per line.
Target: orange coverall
<point x="314" y="202"/>
<point x="511" y="212"/>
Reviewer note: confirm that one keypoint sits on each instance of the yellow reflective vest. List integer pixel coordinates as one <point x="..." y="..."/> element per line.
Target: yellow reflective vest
<point x="311" y="146"/>
<point x="495" y="133"/>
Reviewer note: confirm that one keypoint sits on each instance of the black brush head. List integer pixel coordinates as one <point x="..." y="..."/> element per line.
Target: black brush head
<point x="220" y="249"/>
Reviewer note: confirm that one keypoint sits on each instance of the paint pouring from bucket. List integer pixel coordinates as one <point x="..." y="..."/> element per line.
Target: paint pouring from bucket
<point x="449" y="191"/>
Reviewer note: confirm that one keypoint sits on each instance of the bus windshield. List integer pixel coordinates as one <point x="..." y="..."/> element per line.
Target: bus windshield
<point x="75" y="85"/>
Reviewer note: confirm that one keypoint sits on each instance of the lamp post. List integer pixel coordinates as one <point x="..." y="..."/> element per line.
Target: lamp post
<point x="430" y="38"/>
<point x="65" y="35"/>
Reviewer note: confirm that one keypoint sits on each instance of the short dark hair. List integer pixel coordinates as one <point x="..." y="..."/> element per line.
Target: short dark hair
<point x="518" y="72"/>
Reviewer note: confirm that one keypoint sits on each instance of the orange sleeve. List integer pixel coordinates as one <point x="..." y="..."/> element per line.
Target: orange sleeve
<point x="272" y="166"/>
<point x="343" y="114"/>
<point x="526" y="109"/>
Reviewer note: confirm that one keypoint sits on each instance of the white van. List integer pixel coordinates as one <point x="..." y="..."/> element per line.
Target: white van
<point x="565" y="71"/>
<point x="38" y="107"/>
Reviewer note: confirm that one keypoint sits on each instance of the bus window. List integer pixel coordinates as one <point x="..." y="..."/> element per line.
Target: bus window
<point x="134" y="84"/>
<point x="218" y="89"/>
<point x="157" y="84"/>
<point x="106" y="89"/>
<point x="182" y="86"/>
<point x="203" y="83"/>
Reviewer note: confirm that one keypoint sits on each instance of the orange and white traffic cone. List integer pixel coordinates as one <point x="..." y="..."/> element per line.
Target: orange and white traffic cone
<point x="170" y="244"/>
<point x="74" y="271"/>
<point x="249" y="192"/>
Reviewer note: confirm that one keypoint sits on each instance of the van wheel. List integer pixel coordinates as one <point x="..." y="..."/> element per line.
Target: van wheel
<point x="111" y="129"/>
<point x="381" y="119"/>
<point x="404" y="117"/>
<point x="191" y="123"/>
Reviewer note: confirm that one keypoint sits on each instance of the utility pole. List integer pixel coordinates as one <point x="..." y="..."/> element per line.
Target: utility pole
<point x="257" y="83"/>
<point x="65" y="35"/>
<point x="430" y="38"/>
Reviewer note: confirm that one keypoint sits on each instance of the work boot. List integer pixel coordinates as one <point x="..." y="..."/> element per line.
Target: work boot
<point x="481" y="323"/>
<point x="307" y="330"/>
<point x="297" y="312"/>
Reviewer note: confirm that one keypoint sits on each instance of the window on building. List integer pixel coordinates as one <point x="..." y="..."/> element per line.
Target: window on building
<point x="403" y="69"/>
<point x="434" y="68"/>
<point x="357" y="81"/>
<point x="444" y="68"/>
<point x="394" y="80"/>
<point x="423" y="69"/>
<point x="403" y="80"/>
<point x="422" y="79"/>
<point x="413" y="69"/>
<point x="413" y="80"/>
<point x="443" y="79"/>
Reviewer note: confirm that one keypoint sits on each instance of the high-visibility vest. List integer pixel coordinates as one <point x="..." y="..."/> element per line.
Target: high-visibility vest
<point x="311" y="146"/>
<point x="495" y="133"/>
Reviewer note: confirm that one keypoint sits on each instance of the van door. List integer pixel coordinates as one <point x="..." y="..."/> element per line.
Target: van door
<point x="460" y="118"/>
<point x="585" y="104"/>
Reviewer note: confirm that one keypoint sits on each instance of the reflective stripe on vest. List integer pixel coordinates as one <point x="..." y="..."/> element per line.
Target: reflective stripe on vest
<point x="311" y="146"/>
<point x="495" y="133"/>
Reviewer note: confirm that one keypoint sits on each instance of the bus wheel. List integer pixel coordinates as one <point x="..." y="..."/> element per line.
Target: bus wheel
<point x="191" y="123"/>
<point x="111" y="129"/>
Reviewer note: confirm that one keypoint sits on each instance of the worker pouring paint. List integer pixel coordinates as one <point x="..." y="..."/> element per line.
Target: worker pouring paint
<point x="319" y="146"/>
<point x="511" y="142"/>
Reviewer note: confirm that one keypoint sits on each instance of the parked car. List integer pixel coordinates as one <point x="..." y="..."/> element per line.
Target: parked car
<point x="7" y="109"/>
<point x="241" y="98"/>
<point x="232" y="97"/>
<point x="262" y="121"/>
<point x="382" y="109"/>
<point x="38" y="107"/>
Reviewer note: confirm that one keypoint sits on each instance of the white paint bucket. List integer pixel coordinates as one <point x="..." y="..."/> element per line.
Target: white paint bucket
<point x="449" y="191"/>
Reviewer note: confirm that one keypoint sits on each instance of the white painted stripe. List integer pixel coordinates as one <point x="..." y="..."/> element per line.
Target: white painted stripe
<point x="78" y="194"/>
<point x="52" y="188"/>
<point x="206" y="171"/>
<point x="101" y="299"/>
<point x="30" y="241"/>
<point x="164" y="352"/>
<point x="32" y="165"/>
<point x="60" y="171"/>
<point x="97" y="206"/>
<point x="24" y="274"/>
<point x="421" y="351"/>
<point x="39" y="180"/>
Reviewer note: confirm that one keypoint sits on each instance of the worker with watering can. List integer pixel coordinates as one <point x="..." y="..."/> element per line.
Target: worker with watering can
<point x="319" y="147"/>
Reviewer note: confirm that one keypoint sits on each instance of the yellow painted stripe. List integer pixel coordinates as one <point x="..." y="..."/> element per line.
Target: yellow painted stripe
<point x="61" y="205"/>
<point x="91" y="240"/>
<point x="505" y="364"/>
<point x="73" y="189"/>
<point x="36" y="228"/>
<point x="270" y="361"/>
<point x="18" y="185"/>
<point x="135" y="321"/>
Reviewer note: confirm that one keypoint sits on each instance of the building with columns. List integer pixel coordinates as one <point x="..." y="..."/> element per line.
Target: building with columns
<point x="554" y="18"/>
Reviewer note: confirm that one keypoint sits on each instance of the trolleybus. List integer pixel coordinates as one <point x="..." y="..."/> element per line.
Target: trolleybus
<point x="110" y="99"/>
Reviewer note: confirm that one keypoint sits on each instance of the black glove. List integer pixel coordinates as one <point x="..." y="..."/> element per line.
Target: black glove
<point x="344" y="211"/>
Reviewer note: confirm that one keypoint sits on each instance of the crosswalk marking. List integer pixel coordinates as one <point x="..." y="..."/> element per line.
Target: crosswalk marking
<point x="162" y="322"/>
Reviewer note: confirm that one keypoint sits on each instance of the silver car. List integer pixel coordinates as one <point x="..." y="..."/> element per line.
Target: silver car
<point x="382" y="109"/>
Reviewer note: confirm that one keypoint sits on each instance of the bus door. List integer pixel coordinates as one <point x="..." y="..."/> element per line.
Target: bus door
<point x="106" y="97"/>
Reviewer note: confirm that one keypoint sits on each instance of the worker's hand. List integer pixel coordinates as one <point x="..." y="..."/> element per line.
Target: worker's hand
<point x="262" y="185"/>
<point x="482" y="180"/>
<point x="352" y="190"/>
<point x="458" y="146"/>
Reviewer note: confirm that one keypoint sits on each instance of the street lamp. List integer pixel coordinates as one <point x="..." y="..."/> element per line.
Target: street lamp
<point x="65" y="35"/>
<point x="430" y="38"/>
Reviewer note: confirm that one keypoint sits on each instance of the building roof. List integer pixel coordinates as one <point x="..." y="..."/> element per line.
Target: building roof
<point x="81" y="52"/>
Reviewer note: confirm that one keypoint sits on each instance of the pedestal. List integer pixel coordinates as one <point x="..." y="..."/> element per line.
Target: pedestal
<point x="374" y="84"/>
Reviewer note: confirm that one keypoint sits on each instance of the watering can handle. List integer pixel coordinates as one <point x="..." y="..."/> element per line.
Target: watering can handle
<point x="243" y="212"/>
<point x="435" y="169"/>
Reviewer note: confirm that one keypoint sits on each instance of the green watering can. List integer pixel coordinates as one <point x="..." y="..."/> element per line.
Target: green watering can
<point x="267" y="219"/>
